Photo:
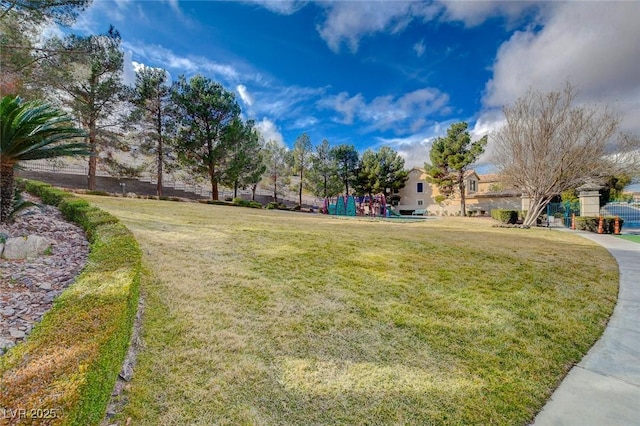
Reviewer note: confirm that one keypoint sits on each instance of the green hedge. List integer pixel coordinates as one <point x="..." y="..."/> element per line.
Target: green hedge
<point x="590" y="223"/>
<point x="216" y="202"/>
<point x="71" y="360"/>
<point x="273" y="205"/>
<point x="246" y="203"/>
<point x="505" y="216"/>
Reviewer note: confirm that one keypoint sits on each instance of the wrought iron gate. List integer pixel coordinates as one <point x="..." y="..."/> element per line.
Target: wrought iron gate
<point x="562" y="212"/>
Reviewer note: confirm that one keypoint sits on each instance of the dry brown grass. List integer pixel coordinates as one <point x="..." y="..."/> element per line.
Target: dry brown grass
<point x="267" y="317"/>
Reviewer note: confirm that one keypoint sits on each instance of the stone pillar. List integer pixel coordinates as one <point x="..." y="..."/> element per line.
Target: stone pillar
<point x="589" y="203"/>
<point x="525" y="203"/>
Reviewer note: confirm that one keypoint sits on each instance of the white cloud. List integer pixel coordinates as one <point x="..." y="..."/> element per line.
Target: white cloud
<point x="414" y="149"/>
<point x="174" y="4"/>
<point x="269" y="130"/>
<point x="282" y="102"/>
<point x="345" y="105"/>
<point x="304" y="123"/>
<point x="473" y="13"/>
<point x="593" y="45"/>
<point x="349" y="21"/>
<point x="404" y="114"/>
<point x="129" y="70"/>
<point x="163" y="57"/>
<point x="244" y="94"/>
<point x="138" y="66"/>
<point x="283" y="7"/>
<point x="419" y="48"/>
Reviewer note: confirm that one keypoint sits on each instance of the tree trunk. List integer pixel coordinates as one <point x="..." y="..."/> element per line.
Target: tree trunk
<point x="7" y="183"/>
<point x="235" y="189"/>
<point x="253" y="192"/>
<point x="159" y="184"/>
<point x="160" y="155"/>
<point x="214" y="188"/>
<point x="325" y="185"/>
<point x="93" y="159"/>
<point x="535" y="209"/>
<point x="160" y="147"/>
<point x="463" y="207"/>
<point x="93" y="166"/>
<point x="275" y="188"/>
<point x="300" y="191"/>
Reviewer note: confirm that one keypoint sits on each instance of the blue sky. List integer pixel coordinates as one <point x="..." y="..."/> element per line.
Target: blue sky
<point x="375" y="73"/>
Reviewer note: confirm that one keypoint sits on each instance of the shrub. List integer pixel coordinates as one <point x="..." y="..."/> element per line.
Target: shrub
<point x="73" y="356"/>
<point x="274" y="205"/>
<point x="505" y="216"/>
<point x="296" y="208"/>
<point x="590" y="223"/>
<point x="46" y="192"/>
<point x="88" y="217"/>
<point x="100" y="193"/>
<point x="215" y="202"/>
<point x="240" y="202"/>
<point x="255" y="205"/>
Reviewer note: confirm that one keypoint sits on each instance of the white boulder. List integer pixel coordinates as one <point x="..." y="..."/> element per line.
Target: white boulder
<point x="25" y="247"/>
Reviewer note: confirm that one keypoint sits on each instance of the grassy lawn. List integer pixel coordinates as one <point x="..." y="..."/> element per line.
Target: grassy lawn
<point x="270" y="318"/>
<point x="634" y="238"/>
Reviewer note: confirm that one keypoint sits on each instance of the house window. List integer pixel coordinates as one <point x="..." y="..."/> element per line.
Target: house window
<point x="473" y="186"/>
<point x="420" y="187"/>
<point x="420" y="203"/>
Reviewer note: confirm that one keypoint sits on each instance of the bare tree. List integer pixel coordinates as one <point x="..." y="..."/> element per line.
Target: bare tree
<point x="549" y="145"/>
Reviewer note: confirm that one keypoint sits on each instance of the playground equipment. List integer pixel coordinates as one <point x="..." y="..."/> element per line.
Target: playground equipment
<point x="375" y="206"/>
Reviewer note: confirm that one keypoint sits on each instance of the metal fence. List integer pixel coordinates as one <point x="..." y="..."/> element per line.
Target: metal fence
<point x="629" y="212"/>
<point x="195" y="188"/>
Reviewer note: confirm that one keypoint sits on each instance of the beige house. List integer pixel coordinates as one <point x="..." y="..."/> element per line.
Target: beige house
<point x="483" y="193"/>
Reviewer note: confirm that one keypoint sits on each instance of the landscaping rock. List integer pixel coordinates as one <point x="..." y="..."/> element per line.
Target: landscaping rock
<point x="6" y="344"/>
<point x="25" y="247"/>
<point x="16" y="334"/>
<point x="29" y="286"/>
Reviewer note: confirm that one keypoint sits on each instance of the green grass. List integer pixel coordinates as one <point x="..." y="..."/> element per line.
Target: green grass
<point x="268" y="318"/>
<point x="68" y="365"/>
<point x="634" y="238"/>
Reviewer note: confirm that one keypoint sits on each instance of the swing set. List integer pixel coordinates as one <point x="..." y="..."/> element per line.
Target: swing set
<point x="373" y="206"/>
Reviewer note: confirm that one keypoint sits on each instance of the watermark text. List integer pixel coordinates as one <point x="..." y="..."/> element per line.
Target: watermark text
<point x="30" y="413"/>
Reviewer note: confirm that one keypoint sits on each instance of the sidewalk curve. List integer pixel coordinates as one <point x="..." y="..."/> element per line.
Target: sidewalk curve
<point x="604" y="388"/>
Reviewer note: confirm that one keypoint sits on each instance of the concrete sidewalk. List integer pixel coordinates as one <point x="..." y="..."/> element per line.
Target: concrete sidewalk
<point x="604" y="388"/>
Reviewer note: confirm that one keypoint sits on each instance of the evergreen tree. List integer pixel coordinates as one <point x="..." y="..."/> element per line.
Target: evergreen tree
<point x="21" y="24"/>
<point x="89" y="81"/>
<point x="245" y="163"/>
<point x="322" y="177"/>
<point x="451" y="157"/>
<point x="346" y="157"/>
<point x="205" y="110"/>
<point x="277" y="162"/>
<point x="151" y="99"/>
<point x="301" y="156"/>
<point x="381" y="172"/>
